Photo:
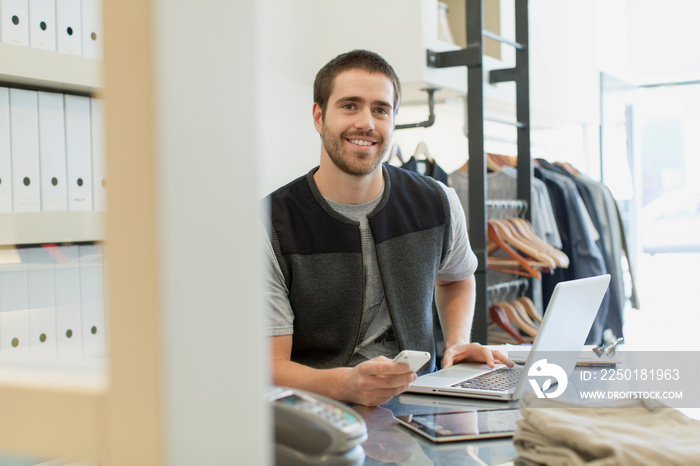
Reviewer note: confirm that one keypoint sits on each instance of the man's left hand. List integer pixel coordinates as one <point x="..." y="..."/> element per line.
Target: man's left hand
<point x="473" y="352"/>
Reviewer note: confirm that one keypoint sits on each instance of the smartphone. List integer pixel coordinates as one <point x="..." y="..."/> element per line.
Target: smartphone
<point x="414" y="359"/>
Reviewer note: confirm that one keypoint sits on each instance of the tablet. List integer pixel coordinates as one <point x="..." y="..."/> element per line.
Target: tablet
<point x="463" y="425"/>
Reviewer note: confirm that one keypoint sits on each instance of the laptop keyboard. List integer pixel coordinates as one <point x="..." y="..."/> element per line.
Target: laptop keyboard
<point x="502" y="379"/>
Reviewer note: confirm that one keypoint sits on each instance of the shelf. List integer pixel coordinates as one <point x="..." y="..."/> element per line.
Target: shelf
<point x="50" y="70"/>
<point x="51" y="227"/>
<point x="61" y="403"/>
<point x="79" y="375"/>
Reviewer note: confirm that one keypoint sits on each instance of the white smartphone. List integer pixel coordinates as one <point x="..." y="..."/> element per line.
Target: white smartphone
<point x="414" y="359"/>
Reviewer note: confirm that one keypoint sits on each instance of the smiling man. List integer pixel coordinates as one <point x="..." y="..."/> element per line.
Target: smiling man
<point x="357" y="249"/>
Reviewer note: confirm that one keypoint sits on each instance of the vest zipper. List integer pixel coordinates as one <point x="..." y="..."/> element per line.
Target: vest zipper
<point x="362" y="307"/>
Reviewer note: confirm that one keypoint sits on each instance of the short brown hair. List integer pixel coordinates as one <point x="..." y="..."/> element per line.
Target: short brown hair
<point x="366" y="60"/>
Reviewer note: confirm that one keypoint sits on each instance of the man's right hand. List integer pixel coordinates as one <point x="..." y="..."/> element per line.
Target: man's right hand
<point x="376" y="381"/>
<point x="370" y="383"/>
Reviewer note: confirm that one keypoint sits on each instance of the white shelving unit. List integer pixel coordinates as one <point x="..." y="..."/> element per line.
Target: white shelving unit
<point x="33" y="67"/>
<point x="59" y="402"/>
<point x="60" y="72"/>
<point x="51" y="227"/>
<point x="164" y="395"/>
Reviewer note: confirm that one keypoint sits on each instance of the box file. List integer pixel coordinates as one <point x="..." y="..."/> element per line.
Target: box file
<point x="99" y="169"/>
<point x="78" y="152"/>
<point x="52" y="152"/>
<point x="68" y="27"/>
<point x="14" y="21"/>
<point x="41" y="303"/>
<point x="14" y="322"/>
<point x="92" y="300"/>
<point x="92" y="29"/>
<point x="42" y="24"/>
<point x="69" y="329"/>
<point x="5" y="156"/>
<point x="24" y="138"/>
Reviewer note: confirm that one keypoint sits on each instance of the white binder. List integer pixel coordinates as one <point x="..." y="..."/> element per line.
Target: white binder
<point x="99" y="168"/>
<point x="41" y="303"/>
<point x="69" y="329"/>
<point x="14" y="323"/>
<point x="68" y="27"/>
<point x="78" y="152"/>
<point x="14" y="21"/>
<point x="92" y="29"/>
<point x="24" y="137"/>
<point x="5" y="155"/>
<point x="42" y="24"/>
<point x="52" y="152"/>
<point x="92" y="300"/>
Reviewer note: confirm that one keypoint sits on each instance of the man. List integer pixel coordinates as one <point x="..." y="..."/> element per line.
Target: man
<point x="357" y="249"/>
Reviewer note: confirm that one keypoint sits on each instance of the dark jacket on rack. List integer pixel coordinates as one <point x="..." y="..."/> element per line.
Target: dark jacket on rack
<point x="320" y="254"/>
<point x="427" y="168"/>
<point x="586" y="259"/>
<point x="613" y="317"/>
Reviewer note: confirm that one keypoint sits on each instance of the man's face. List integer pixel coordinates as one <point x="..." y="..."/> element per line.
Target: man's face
<point x="358" y="122"/>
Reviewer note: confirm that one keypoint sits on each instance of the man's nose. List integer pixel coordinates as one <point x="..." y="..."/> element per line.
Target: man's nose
<point x="365" y="120"/>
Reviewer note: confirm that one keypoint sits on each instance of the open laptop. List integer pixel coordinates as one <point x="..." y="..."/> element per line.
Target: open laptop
<point x="563" y="331"/>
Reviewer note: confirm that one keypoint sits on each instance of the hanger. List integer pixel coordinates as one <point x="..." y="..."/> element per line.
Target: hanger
<point x="422" y="149"/>
<point x="497" y="263"/>
<point x="533" y="255"/>
<point x="492" y="163"/>
<point x="513" y="237"/>
<point x="526" y="232"/>
<point x="395" y="152"/>
<point x="569" y="168"/>
<point x="516" y="319"/>
<point x="535" y="248"/>
<point x="522" y="312"/>
<point x="498" y="316"/>
<point x="530" y="309"/>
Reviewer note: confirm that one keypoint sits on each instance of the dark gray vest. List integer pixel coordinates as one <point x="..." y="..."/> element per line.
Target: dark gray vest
<point x="320" y="253"/>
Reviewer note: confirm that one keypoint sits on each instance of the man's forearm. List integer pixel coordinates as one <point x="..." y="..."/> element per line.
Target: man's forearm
<point x="370" y="383"/>
<point x="327" y="382"/>
<point x="455" y="304"/>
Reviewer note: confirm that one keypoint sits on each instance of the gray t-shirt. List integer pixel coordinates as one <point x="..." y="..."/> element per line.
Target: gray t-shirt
<point x="459" y="264"/>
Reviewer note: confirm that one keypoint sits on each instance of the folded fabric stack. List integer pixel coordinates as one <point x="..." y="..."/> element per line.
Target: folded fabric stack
<point x="630" y="432"/>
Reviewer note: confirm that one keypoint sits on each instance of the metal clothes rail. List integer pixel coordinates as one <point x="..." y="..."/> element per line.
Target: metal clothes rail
<point x="473" y="57"/>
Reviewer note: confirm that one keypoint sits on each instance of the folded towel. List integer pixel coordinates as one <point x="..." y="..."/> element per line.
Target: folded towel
<point x="629" y="432"/>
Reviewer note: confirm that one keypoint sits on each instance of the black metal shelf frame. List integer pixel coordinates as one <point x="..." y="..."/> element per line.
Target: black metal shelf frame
<point x="472" y="57"/>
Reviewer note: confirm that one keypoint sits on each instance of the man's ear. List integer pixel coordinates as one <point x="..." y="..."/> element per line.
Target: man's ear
<point x="318" y="117"/>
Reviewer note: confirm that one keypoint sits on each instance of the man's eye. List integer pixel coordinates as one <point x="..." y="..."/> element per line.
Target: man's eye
<point x="348" y="106"/>
<point x="382" y="111"/>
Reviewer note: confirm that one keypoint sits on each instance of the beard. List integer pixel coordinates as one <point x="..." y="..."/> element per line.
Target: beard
<point x="352" y="162"/>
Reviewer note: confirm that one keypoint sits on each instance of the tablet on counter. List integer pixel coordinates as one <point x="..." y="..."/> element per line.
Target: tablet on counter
<point x="463" y="425"/>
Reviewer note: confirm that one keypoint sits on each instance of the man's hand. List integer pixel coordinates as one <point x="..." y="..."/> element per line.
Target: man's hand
<point x="473" y="352"/>
<point x="376" y="381"/>
<point x="371" y="383"/>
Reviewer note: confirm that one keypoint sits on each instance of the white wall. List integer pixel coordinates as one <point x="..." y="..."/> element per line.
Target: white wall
<point x="570" y="42"/>
<point x="663" y="40"/>
<point x="289" y="62"/>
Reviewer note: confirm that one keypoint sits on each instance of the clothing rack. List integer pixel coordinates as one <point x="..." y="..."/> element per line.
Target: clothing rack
<point x="521" y="283"/>
<point x="504" y="209"/>
<point x="472" y="58"/>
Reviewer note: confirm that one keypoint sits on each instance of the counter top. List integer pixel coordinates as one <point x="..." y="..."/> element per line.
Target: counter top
<point x="390" y="443"/>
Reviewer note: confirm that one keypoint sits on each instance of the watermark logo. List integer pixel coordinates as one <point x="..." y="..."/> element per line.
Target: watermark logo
<point x="553" y="372"/>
